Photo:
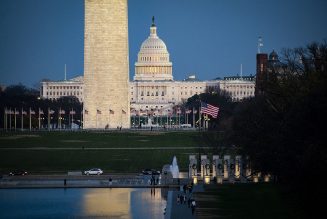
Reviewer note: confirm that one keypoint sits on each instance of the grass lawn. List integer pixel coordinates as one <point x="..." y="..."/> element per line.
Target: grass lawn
<point x="64" y="151"/>
<point x="246" y="201"/>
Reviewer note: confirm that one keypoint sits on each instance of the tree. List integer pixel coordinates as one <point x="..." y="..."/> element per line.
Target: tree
<point x="283" y="129"/>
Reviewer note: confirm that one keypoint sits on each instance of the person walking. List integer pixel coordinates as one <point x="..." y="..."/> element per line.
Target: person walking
<point x="193" y="205"/>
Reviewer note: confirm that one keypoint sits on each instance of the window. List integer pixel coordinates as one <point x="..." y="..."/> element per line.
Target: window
<point x="162" y="93"/>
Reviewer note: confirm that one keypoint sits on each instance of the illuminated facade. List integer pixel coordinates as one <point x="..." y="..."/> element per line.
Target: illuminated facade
<point x="56" y="89"/>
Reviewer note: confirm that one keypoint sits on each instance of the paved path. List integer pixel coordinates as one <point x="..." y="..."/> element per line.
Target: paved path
<point x="176" y="210"/>
<point x="58" y="180"/>
<point x="102" y="148"/>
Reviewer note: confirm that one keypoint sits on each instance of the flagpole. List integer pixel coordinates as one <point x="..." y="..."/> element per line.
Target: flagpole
<point x="4" y="118"/>
<point x="39" y="120"/>
<point x="59" y="118"/>
<point x="82" y="118"/>
<point x="10" y="119"/>
<point x="48" y="118"/>
<point x="22" y="120"/>
<point x="121" y="117"/>
<point x="71" y="126"/>
<point x="200" y="117"/>
<point x="15" y="118"/>
<point x="193" y="118"/>
<point x="30" y="120"/>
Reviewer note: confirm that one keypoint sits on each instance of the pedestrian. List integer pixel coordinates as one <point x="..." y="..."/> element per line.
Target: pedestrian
<point x="184" y="199"/>
<point x="184" y="188"/>
<point x="178" y="199"/>
<point x="110" y="181"/>
<point x="65" y="182"/>
<point x="193" y="206"/>
<point x="189" y="202"/>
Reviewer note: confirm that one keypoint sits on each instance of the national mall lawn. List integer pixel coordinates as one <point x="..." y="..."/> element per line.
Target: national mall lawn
<point x="129" y="152"/>
<point x="114" y="151"/>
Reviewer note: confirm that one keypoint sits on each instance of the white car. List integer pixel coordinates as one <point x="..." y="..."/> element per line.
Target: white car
<point x="94" y="171"/>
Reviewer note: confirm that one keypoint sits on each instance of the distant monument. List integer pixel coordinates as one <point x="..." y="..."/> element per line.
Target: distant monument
<point x="106" y="67"/>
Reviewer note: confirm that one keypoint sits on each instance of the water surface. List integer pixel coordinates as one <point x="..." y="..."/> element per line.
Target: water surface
<point x="82" y="203"/>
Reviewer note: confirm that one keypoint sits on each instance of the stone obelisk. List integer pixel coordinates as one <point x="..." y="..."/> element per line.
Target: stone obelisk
<point x="106" y="65"/>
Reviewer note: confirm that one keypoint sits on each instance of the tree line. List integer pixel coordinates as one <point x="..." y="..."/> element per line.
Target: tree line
<point x="22" y="98"/>
<point x="283" y="129"/>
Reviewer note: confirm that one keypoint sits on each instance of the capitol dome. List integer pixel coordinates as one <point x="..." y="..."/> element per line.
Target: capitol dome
<point x="153" y="59"/>
<point x="153" y="45"/>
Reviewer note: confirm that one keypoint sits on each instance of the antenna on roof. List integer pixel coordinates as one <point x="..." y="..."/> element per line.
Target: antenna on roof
<point x="241" y="73"/>
<point x="260" y="44"/>
<point x="65" y="73"/>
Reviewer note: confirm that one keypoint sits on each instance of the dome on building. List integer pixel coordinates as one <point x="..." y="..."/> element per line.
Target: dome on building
<point x="153" y="44"/>
<point x="273" y="56"/>
<point x="153" y="59"/>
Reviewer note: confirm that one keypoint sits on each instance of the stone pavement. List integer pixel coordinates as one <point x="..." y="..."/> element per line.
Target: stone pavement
<point x="176" y="210"/>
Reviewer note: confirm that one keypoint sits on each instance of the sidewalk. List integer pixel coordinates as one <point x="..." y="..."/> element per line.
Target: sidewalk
<point x="176" y="210"/>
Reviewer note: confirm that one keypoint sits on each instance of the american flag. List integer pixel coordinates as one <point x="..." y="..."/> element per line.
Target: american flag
<point x="32" y="112"/>
<point x="209" y="109"/>
<point x="72" y="112"/>
<point x="62" y="112"/>
<point x="188" y="111"/>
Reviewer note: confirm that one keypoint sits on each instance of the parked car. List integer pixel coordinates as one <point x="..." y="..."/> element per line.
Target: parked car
<point x="150" y="172"/>
<point x="18" y="173"/>
<point x="94" y="171"/>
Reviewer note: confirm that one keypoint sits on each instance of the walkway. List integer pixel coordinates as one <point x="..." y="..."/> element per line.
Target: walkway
<point x="102" y="148"/>
<point x="176" y="210"/>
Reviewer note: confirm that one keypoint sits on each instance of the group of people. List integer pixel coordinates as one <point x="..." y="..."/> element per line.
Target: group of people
<point x="182" y="199"/>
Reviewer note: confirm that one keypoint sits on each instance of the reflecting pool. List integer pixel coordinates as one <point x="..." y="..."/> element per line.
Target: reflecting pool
<point x="83" y="203"/>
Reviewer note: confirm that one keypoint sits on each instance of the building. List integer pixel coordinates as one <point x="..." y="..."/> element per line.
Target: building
<point x="238" y="89"/>
<point x="54" y="90"/>
<point x="154" y="87"/>
<point x="106" y="65"/>
<point x="267" y="69"/>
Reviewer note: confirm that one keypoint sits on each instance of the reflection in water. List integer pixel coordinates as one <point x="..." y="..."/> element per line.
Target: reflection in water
<point x="104" y="202"/>
<point x="85" y="203"/>
<point x="124" y="203"/>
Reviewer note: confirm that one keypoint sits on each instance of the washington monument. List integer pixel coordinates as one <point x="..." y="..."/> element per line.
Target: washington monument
<point x="106" y="65"/>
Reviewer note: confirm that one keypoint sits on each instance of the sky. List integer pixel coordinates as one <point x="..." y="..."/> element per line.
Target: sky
<point x="209" y="38"/>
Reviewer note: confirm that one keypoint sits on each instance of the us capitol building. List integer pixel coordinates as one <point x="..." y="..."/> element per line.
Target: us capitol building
<point x="153" y="86"/>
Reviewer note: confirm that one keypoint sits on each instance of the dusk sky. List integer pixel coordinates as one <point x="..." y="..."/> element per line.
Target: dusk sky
<point x="209" y="38"/>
